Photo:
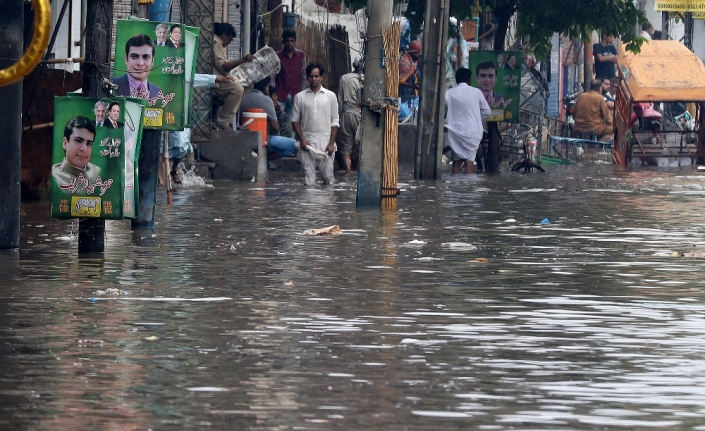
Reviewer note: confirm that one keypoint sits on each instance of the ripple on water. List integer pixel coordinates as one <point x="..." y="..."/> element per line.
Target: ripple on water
<point x="594" y="321"/>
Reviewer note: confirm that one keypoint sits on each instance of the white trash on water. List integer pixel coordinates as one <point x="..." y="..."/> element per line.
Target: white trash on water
<point x="458" y="246"/>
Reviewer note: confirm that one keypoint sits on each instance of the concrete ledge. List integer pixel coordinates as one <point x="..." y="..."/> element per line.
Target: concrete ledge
<point x="231" y="153"/>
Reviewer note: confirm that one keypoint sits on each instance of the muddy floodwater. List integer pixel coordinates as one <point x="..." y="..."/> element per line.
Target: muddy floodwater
<point x="570" y="300"/>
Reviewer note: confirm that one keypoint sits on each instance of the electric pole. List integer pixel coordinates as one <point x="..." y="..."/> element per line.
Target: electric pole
<point x="11" y="47"/>
<point x="429" y="134"/>
<point x="369" y="184"/>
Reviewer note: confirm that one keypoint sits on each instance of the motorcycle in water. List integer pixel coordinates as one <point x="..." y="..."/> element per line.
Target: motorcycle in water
<point x="648" y="117"/>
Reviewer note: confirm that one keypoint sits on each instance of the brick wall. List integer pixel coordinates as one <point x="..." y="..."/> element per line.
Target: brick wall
<point x="121" y="10"/>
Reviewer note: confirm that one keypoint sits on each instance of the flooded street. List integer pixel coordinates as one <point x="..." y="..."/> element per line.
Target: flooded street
<point x="461" y="310"/>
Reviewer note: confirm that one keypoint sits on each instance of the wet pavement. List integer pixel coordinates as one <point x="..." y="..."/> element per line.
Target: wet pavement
<point x="458" y="311"/>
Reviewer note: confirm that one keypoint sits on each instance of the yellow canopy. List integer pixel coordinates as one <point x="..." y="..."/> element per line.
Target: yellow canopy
<point x="664" y="70"/>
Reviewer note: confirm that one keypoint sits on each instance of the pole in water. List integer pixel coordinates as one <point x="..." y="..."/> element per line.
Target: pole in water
<point x="11" y="21"/>
<point x="91" y="231"/>
<point x="148" y="167"/>
<point x="91" y="235"/>
<point x="369" y="184"/>
<point x="167" y="171"/>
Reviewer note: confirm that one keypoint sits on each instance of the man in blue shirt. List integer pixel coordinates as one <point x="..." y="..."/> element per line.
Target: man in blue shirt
<point x="605" y="57"/>
<point x="277" y="146"/>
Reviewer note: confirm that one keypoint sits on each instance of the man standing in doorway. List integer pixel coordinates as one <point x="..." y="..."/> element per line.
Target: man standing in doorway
<point x="291" y="78"/>
<point x="605" y="57"/>
<point x="467" y="109"/>
<point x="230" y="91"/>
<point x="315" y="121"/>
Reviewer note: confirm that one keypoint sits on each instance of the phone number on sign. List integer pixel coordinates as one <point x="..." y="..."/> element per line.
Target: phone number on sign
<point x="683" y="6"/>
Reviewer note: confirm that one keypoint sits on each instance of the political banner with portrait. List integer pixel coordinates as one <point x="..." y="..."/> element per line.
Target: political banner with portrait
<point x="498" y="75"/>
<point x="96" y="145"/>
<point x="155" y="61"/>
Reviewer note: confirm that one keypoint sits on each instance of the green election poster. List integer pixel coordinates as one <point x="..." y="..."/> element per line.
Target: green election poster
<point x="498" y="75"/>
<point x="95" y="150"/>
<point x="154" y="62"/>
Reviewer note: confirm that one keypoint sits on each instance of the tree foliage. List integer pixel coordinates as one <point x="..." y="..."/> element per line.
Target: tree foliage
<point x="540" y="19"/>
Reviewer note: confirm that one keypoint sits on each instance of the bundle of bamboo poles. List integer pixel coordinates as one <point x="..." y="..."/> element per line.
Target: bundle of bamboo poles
<point x="390" y="165"/>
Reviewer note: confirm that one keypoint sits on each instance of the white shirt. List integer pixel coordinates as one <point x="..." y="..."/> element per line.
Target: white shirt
<point x="467" y="109"/>
<point x="203" y="80"/>
<point x="317" y="113"/>
<point x="645" y="35"/>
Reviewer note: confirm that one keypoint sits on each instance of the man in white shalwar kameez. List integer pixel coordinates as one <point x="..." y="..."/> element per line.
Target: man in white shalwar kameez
<point x="467" y="109"/>
<point x="315" y="121"/>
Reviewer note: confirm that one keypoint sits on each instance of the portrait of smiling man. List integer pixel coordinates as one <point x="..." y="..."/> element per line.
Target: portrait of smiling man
<point x="486" y="80"/>
<point x="79" y="134"/>
<point x="161" y="34"/>
<point x="99" y="112"/>
<point x="113" y="115"/>
<point x="175" y="37"/>
<point x="139" y="58"/>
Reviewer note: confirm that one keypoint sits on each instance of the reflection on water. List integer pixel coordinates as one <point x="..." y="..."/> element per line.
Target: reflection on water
<point x="226" y="317"/>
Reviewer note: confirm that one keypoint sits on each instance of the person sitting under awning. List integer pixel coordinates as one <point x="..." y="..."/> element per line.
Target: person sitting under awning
<point x="592" y="115"/>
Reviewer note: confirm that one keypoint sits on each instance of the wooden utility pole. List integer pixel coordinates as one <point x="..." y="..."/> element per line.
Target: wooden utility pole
<point x="11" y="44"/>
<point x="148" y="163"/>
<point x="99" y="13"/>
<point x="588" y="63"/>
<point x="276" y="24"/>
<point x="369" y="185"/>
<point x="429" y="134"/>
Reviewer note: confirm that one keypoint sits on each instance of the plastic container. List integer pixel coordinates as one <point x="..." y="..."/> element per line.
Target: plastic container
<point x="256" y="120"/>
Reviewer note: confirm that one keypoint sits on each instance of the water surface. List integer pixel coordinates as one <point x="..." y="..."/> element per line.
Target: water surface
<point x="460" y="310"/>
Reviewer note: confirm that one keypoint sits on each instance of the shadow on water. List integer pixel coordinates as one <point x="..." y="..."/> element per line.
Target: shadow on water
<point x="459" y="310"/>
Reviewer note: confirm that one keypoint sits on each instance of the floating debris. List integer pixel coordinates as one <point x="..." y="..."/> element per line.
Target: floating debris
<point x="330" y="230"/>
<point x="206" y="389"/>
<point x="110" y="291"/>
<point x="90" y="343"/>
<point x="458" y="246"/>
<point x="481" y="260"/>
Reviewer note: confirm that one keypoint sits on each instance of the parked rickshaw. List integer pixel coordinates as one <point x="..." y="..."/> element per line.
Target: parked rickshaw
<point x="657" y="108"/>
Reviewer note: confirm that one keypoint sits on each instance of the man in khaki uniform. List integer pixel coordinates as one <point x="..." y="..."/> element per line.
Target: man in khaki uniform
<point x="592" y="115"/>
<point x="230" y="91"/>
<point x="349" y="102"/>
